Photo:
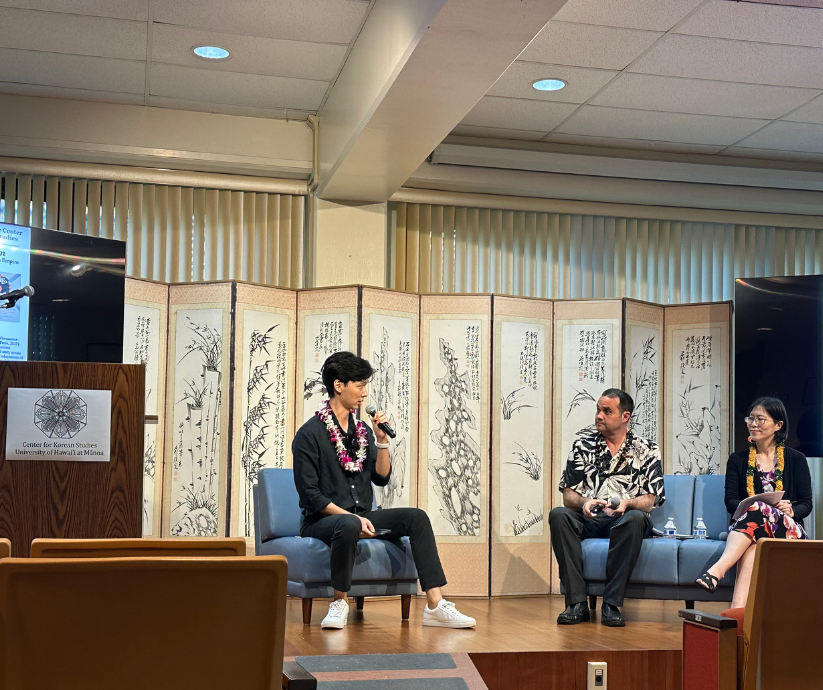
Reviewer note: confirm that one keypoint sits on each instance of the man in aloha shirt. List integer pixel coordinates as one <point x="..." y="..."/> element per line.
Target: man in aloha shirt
<point x="605" y="461"/>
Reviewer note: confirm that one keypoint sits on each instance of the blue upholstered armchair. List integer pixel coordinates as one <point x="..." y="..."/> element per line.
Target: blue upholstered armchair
<point x="382" y="568"/>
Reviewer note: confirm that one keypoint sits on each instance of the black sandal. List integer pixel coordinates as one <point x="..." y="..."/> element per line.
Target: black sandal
<point x="708" y="582"/>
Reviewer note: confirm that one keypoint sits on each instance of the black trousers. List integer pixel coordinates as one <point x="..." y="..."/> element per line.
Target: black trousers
<point x="625" y="534"/>
<point x="341" y="533"/>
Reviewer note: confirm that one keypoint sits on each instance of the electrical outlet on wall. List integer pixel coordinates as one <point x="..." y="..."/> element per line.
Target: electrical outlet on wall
<point x="598" y="675"/>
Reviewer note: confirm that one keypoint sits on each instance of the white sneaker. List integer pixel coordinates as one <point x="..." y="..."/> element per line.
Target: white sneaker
<point x="445" y="615"/>
<point x="338" y="615"/>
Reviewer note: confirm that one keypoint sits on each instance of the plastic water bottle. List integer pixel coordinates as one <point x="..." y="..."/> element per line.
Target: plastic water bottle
<point x="670" y="530"/>
<point x="700" y="531"/>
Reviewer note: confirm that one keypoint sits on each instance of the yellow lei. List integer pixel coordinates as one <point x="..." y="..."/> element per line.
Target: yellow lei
<point x="753" y="464"/>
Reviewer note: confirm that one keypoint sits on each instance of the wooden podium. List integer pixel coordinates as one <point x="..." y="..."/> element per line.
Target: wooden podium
<point x="60" y="499"/>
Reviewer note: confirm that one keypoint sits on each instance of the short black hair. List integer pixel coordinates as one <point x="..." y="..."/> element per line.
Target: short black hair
<point x="777" y="411"/>
<point x="626" y="404"/>
<point x="344" y="367"/>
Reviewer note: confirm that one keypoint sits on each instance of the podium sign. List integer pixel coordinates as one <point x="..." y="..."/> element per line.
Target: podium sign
<point x="58" y="424"/>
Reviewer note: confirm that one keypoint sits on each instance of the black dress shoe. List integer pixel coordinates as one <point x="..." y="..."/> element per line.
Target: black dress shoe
<point x="611" y="616"/>
<point x="576" y="613"/>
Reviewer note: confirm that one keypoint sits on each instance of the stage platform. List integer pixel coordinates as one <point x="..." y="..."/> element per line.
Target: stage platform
<point x="517" y="643"/>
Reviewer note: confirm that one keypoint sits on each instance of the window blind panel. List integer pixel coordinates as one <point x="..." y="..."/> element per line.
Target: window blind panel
<point x="563" y="257"/>
<point x="24" y="199"/>
<point x="663" y="250"/>
<point x="146" y="265"/>
<point x="728" y="261"/>
<point x="174" y="236"/>
<point x="530" y="256"/>
<point x="284" y="233"/>
<point x="79" y="216"/>
<point x="496" y="251"/>
<point x="790" y="251"/>
<point x="412" y="247"/>
<point x="210" y="248"/>
<point x="707" y="247"/>
<point x="459" y="250"/>
<point x="588" y="255"/>
<point x="121" y="211"/>
<point x="542" y="271"/>
<point x="297" y="234"/>
<point x="818" y="254"/>
<point x="507" y="253"/>
<point x="249" y="235"/>
<point x="599" y="256"/>
<point x="107" y="193"/>
<point x="424" y="250"/>
<point x="160" y="255"/>
<point x="484" y="238"/>
<point x="221" y="258"/>
<point x="261" y="205"/>
<point x="236" y="236"/>
<point x="64" y="204"/>
<point x="716" y="279"/>
<point x="448" y="249"/>
<point x="93" y="208"/>
<point x="9" y="196"/>
<point x="810" y="251"/>
<point x="518" y="252"/>
<point x="437" y="249"/>
<point x="134" y="232"/>
<point x="52" y="202"/>
<point x="760" y="249"/>
<point x="185" y="270"/>
<point x="651" y="260"/>
<point x="400" y="247"/>
<point x="273" y="241"/>
<point x="198" y="231"/>
<point x="640" y="259"/>
<point x="472" y="253"/>
<point x="38" y="200"/>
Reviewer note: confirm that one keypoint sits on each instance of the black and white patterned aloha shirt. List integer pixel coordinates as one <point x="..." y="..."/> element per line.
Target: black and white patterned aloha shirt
<point x="635" y="471"/>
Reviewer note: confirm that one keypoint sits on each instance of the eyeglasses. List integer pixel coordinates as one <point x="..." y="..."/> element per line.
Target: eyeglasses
<point x="756" y="421"/>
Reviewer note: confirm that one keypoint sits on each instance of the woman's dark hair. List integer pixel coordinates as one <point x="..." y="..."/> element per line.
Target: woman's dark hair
<point x="625" y="402"/>
<point x="344" y="367"/>
<point x="777" y="411"/>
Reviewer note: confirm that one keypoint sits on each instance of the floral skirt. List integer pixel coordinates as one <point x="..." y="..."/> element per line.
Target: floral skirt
<point x="762" y="521"/>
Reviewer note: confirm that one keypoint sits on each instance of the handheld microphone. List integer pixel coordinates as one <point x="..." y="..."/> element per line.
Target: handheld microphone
<point x="614" y="502"/>
<point x="371" y="410"/>
<point x="27" y="291"/>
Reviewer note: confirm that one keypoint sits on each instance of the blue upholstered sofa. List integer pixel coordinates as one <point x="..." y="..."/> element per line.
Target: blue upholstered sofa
<point x="381" y="568"/>
<point x="667" y="568"/>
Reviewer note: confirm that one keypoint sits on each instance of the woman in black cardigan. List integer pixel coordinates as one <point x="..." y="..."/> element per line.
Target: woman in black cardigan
<point x="766" y="466"/>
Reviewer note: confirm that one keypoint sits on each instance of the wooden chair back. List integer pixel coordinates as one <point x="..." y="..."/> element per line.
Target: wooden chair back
<point x="781" y="626"/>
<point x="212" y="547"/>
<point x="137" y="623"/>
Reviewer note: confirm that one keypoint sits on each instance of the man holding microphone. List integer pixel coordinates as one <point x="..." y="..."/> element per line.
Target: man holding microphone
<point x="336" y="460"/>
<point x="612" y="481"/>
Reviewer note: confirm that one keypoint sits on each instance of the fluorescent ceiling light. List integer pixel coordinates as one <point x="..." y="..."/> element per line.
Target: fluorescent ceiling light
<point x="549" y="84"/>
<point x="211" y="52"/>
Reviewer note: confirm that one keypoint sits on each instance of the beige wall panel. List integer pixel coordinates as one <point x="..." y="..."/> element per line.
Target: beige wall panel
<point x="521" y="462"/>
<point x="454" y="471"/>
<point x="197" y="424"/>
<point x="145" y="339"/>
<point x="390" y="340"/>
<point x="265" y="338"/>
<point x="698" y="388"/>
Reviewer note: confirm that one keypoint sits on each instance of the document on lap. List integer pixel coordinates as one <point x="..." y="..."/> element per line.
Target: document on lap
<point x="772" y="498"/>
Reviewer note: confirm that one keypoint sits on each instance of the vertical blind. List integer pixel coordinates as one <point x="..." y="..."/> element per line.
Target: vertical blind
<point x="173" y="234"/>
<point x="554" y="255"/>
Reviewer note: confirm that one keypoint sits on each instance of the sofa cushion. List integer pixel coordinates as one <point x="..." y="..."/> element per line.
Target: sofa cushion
<point x="710" y="503"/>
<point x="376" y="559"/>
<point x="279" y="512"/>
<point x="696" y="555"/>
<point x="678" y="504"/>
<point x="657" y="563"/>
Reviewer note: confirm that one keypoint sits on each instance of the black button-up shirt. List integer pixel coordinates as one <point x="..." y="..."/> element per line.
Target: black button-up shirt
<point x="319" y="477"/>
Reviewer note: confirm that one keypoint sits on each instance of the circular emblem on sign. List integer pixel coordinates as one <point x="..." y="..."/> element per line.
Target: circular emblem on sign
<point x="60" y="414"/>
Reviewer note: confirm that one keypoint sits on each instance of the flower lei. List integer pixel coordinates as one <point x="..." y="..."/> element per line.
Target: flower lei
<point x="778" y="475"/>
<point x="327" y="416"/>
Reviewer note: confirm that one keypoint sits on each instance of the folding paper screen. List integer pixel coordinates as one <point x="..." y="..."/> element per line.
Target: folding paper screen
<point x="264" y="345"/>
<point x="643" y="362"/>
<point x="521" y="446"/>
<point x="454" y="434"/>
<point x="390" y="340"/>
<point x="145" y="334"/>
<point x="197" y="429"/>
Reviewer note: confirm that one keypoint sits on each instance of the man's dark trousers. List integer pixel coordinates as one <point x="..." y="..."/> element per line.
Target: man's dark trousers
<point x="625" y="535"/>
<point x="341" y="533"/>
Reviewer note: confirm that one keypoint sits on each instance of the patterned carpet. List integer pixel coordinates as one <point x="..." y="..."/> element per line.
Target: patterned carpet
<point x="393" y="671"/>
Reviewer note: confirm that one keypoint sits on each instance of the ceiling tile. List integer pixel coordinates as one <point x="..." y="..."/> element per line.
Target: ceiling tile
<point x="811" y="112"/>
<point x="581" y="82"/>
<point x="746" y="21"/>
<point x="118" y="9"/>
<point x="652" y="15"/>
<point x="249" y="54"/>
<point x="642" y="124"/>
<point x="320" y="21"/>
<point x="630" y="144"/>
<point x="715" y="58"/>
<point x="676" y="94"/>
<point x="70" y="33"/>
<point x="582" y="45"/>
<point x="517" y="113"/>
<point x="497" y="133"/>
<point x="72" y="71"/>
<point x="72" y="94"/>
<point x="787" y="136"/>
<point x="211" y="86"/>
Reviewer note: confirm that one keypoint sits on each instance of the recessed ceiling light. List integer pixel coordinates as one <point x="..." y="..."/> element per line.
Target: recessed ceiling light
<point x="549" y="84"/>
<point x="211" y="52"/>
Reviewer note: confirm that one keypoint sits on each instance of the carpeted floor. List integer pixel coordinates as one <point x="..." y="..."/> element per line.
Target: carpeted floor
<point x="393" y="671"/>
